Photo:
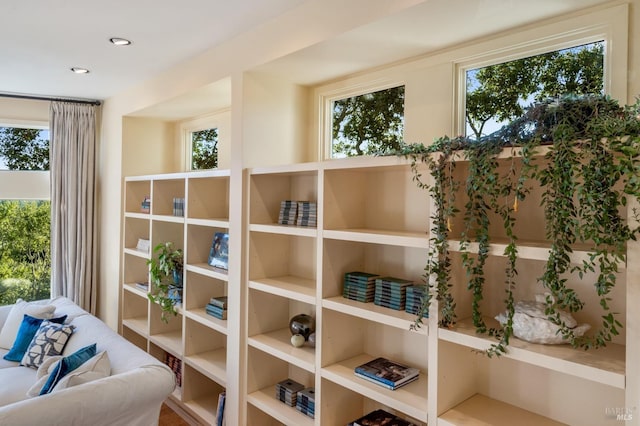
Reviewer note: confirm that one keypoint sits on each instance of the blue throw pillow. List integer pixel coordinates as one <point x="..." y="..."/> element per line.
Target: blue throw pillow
<point x="28" y="329"/>
<point x="66" y="365"/>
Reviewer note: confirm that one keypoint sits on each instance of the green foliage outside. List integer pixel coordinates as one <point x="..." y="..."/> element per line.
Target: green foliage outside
<point x="204" y="149"/>
<point x="368" y="124"/>
<point x="24" y="149"/>
<point x="25" y="256"/>
<point x="499" y="92"/>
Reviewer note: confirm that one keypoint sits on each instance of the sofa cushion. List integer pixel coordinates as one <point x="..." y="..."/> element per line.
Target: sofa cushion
<point x="95" y="368"/>
<point x="15" y="384"/>
<point x="12" y="324"/>
<point x="26" y="332"/>
<point x="66" y="365"/>
<point x="65" y="306"/>
<point x="48" y="341"/>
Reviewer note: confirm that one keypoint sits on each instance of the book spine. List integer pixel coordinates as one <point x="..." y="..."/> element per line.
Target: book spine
<point x="375" y="380"/>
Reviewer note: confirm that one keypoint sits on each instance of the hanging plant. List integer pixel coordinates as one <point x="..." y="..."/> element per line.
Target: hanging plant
<point x="591" y="167"/>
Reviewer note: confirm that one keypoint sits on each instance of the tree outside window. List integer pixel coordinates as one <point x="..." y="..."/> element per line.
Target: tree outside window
<point x="25" y="225"/>
<point x="204" y="149"/>
<point x="497" y="94"/>
<point x="368" y="124"/>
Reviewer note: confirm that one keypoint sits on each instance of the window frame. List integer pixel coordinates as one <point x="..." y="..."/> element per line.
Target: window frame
<point x="196" y="125"/>
<point x="609" y="26"/>
<point x="30" y="185"/>
<point x="327" y="98"/>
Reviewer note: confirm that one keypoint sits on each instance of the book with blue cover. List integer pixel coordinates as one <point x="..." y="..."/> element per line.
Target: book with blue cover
<point x="387" y="373"/>
<point x="219" y="253"/>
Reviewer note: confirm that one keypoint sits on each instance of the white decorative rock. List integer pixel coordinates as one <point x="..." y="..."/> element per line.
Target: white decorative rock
<point x="297" y="340"/>
<point x="531" y="324"/>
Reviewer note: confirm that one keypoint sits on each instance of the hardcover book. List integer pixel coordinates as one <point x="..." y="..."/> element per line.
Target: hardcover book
<point x="219" y="253"/>
<point x="380" y="418"/>
<point x="387" y="372"/>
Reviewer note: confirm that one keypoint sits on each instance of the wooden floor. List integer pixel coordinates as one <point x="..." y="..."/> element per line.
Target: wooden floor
<point x="169" y="418"/>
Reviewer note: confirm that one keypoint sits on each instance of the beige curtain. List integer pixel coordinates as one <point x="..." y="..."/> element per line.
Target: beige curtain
<point x="73" y="202"/>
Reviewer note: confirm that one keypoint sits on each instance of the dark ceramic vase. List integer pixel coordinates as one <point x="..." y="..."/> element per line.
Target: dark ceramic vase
<point x="302" y="324"/>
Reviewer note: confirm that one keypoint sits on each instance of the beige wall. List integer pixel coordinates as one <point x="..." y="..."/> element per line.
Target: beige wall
<point x="22" y="111"/>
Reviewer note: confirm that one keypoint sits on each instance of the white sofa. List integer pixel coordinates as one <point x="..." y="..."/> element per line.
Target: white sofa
<point x="131" y="395"/>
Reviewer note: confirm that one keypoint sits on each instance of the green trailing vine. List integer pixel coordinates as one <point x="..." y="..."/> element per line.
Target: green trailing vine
<point x="590" y="168"/>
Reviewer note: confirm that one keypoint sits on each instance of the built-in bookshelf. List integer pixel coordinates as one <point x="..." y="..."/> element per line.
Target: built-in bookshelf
<point x="196" y="339"/>
<point x="372" y="218"/>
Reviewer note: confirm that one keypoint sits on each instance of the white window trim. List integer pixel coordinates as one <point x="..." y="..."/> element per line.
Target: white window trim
<point x="325" y="107"/>
<point x="25" y="184"/>
<point x="609" y="25"/>
<point x="209" y="121"/>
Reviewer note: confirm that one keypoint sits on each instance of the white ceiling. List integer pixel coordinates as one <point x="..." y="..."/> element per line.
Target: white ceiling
<point x="42" y="39"/>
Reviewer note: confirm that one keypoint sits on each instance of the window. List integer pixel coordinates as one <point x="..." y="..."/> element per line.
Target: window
<point x="25" y="214"/>
<point x="497" y="94"/>
<point x="367" y="124"/>
<point x="204" y="149"/>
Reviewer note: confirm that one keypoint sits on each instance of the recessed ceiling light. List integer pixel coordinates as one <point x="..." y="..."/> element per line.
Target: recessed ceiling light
<point x="79" y="70"/>
<point x="120" y="41"/>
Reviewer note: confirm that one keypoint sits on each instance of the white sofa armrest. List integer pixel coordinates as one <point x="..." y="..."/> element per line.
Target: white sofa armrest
<point x="131" y="398"/>
<point x="4" y="313"/>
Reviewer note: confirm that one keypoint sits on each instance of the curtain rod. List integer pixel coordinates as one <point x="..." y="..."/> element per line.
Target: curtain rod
<point x="49" y="98"/>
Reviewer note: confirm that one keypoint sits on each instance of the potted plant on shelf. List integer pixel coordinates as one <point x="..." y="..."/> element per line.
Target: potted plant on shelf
<point x="166" y="271"/>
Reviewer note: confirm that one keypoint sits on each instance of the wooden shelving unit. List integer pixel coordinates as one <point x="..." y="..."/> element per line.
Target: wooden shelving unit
<point x="196" y="338"/>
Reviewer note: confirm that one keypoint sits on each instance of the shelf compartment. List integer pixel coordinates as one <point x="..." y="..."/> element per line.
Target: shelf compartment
<point x="163" y="232"/>
<point x="135" y="290"/>
<point x="199" y="290"/>
<point x="296" y="288"/>
<point x="340" y="257"/>
<point x="274" y="256"/>
<point x="134" y="313"/>
<point x="134" y="337"/>
<point x="199" y="242"/>
<point x="269" y="187"/>
<point x="136" y="188"/>
<point x="200" y="395"/>
<point x="355" y="341"/>
<point x="341" y="405"/>
<point x="206" y="351"/>
<point x="135" y="229"/>
<point x="555" y="395"/>
<point x="164" y="191"/>
<point x="208" y="196"/>
<point x="375" y="198"/>
<point x="373" y="312"/>
<point x="482" y="410"/>
<point x="168" y="336"/>
<point x="263" y="373"/>
<point x="605" y="365"/>
<point x="268" y="322"/>
<point x="410" y="399"/>
<point x="135" y="269"/>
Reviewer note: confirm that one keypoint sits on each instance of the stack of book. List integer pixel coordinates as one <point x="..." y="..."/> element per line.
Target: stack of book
<point x="306" y="402"/>
<point x="217" y="307"/>
<point x="287" y="391"/>
<point x="307" y="214"/>
<point x="416" y="295"/>
<point x="391" y="292"/>
<point x="145" y="206"/>
<point x="387" y="373"/>
<point x="359" y="286"/>
<point x="143" y="285"/>
<point x="288" y="212"/>
<point x="175" y="364"/>
<point x="178" y="206"/>
<point x="380" y="417"/>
